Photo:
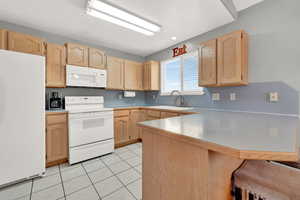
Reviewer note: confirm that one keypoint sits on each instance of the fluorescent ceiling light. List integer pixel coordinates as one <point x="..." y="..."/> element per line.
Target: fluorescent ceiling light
<point x="113" y="20"/>
<point x="122" y="15"/>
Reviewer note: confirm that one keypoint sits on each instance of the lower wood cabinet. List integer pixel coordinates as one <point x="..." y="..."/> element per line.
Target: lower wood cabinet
<point x="168" y="114"/>
<point x="121" y="129"/>
<point x="56" y="138"/>
<point x="3" y="39"/>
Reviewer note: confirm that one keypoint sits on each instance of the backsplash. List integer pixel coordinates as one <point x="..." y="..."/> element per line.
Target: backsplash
<point x="251" y="98"/>
<point x="111" y="97"/>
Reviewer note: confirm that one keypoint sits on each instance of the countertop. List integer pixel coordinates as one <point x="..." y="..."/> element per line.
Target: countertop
<point x="241" y="133"/>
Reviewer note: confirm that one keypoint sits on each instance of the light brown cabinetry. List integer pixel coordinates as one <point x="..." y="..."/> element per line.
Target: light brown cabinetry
<point x="77" y="54"/>
<point x="208" y="63"/>
<point x="3" y="39"/>
<point x="25" y="43"/>
<point x="56" y="138"/>
<point x="97" y="58"/>
<point x="224" y="61"/>
<point x="151" y="76"/>
<point x="55" y="65"/>
<point x="168" y="114"/>
<point x="133" y="75"/>
<point x="115" y="73"/>
<point x="121" y="129"/>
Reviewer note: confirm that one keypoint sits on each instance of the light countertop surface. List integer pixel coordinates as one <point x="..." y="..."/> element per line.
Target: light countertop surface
<point x="237" y="130"/>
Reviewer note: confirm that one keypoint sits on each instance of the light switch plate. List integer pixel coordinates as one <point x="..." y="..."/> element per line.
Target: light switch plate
<point x="216" y="96"/>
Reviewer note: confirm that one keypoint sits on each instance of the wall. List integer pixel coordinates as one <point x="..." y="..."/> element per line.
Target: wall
<point x="274" y="30"/>
<point x="111" y="97"/>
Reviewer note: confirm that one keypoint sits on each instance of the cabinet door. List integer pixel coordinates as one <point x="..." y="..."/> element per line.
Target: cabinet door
<point x="115" y="73"/>
<point x="121" y="126"/>
<point x="56" y="138"/>
<point x="135" y="117"/>
<point x="77" y="54"/>
<point x="55" y="65"/>
<point x="97" y="58"/>
<point x="232" y="58"/>
<point x="25" y="43"/>
<point x="208" y="63"/>
<point x="151" y="75"/>
<point x="146" y="76"/>
<point x="133" y="75"/>
<point x="3" y="39"/>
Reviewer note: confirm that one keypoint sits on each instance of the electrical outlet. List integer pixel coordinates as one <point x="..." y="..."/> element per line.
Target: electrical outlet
<point x="120" y="96"/>
<point x="153" y="96"/>
<point x="232" y="97"/>
<point x="273" y="97"/>
<point x="216" y="96"/>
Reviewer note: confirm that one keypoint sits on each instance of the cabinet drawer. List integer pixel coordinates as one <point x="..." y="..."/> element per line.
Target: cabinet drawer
<point x="153" y="113"/>
<point x="119" y="113"/>
<point x="56" y="118"/>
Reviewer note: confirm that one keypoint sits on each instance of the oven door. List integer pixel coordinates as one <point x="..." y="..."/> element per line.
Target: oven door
<point x="87" y="128"/>
<point x="81" y="76"/>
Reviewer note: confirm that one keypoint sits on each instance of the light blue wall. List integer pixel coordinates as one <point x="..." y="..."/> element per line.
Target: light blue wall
<point x="274" y="57"/>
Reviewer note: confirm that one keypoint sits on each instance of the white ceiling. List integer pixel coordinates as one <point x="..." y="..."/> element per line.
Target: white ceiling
<point x="183" y="19"/>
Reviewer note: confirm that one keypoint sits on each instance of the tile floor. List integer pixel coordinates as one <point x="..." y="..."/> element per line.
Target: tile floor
<point x="116" y="176"/>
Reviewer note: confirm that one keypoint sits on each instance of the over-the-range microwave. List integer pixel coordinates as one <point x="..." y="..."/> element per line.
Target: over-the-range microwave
<point x="85" y="77"/>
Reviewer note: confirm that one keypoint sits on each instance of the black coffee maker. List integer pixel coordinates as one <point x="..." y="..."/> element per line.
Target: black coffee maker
<point x="55" y="101"/>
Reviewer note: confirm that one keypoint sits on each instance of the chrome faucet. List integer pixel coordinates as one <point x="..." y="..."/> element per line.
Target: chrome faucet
<point x="180" y="97"/>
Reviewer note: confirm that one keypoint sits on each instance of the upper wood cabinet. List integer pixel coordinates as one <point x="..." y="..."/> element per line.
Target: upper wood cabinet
<point x="55" y="65"/>
<point x="208" y="63"/>
<point x="3" y="39"/>
<point x="115" y="73"/>
<point x="233" y="59"/>
<point x="133" y="76"/>
<point x="151" y="76"/>
<point x="25" y="43"/>
<point x="97" y="58"/>
<point x="224" y="61"/>
<point x="56" y="138"/>
<point x="77" y="54"/>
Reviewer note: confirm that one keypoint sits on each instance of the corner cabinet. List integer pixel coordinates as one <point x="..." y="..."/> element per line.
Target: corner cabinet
<point x="224" y="61"/>
<point x="77" y="54"/>
<point x="133" y="75"/>
<point x="56" y="138"/>
<point x="3" y="39"/>
<point x="55" y="66"/>
<point x="115" y="73"/>
<point x="25" y="43"/>
<point x="97" y="58"/>
<point x="151" y="76"/>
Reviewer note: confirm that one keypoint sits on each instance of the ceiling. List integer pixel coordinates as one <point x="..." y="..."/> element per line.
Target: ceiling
<point x="177" y="18"/>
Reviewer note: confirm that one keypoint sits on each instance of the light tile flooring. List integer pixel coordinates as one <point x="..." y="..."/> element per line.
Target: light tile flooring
<point x="116" y="176"/>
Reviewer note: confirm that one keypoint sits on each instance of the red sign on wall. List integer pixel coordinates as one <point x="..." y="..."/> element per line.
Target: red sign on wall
<point x="179" y="51"/>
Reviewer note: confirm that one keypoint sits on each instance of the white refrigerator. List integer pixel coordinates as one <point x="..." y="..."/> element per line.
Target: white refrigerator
<point x="22" y="116"/>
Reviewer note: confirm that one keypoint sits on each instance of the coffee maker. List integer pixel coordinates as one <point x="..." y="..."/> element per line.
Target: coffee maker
<point x="54" y="101"/>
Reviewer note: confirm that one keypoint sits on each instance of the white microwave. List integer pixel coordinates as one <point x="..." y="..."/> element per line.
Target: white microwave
<point x="85" y="77"/>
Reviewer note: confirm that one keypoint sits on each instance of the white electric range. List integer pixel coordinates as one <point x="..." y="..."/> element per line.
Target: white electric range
<point x="91" y="129"/>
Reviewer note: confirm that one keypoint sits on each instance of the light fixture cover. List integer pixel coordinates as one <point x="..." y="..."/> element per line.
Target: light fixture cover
<point x="120" y="15"/>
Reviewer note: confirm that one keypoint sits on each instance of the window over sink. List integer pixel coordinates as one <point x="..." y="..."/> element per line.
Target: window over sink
<point x="181" y="73"/>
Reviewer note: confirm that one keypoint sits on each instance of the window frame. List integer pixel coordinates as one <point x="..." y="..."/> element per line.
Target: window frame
<point x="180" y="58"/>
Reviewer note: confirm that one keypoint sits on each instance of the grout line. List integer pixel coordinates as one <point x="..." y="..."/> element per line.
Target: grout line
<point x="91" y="182"/>
<point x="121" y="183"/>
<point x="31" y="189"/>
<point x="62" y="182"/>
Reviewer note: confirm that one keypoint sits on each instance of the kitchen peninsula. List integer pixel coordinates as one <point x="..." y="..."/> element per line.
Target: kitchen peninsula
<point x="193" y="156"/>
